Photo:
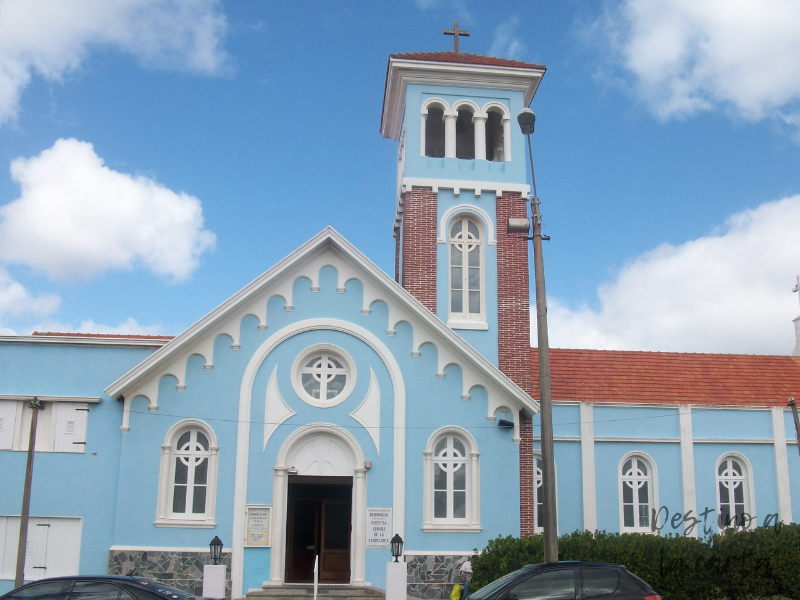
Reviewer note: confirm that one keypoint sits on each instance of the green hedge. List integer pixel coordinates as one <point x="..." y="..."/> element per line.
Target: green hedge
<point x="734" y="565"/>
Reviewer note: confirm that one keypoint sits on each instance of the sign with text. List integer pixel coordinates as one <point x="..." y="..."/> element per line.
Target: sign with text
<point x="258" y="525"/>
<point x="379" y="527"/>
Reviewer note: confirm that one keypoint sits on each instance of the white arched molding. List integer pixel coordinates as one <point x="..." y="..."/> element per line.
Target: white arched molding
<point x="505" y="119"/>
<point x="472" y="522"/>
<point x="437" y="102"/>
<point x="164" y="516"/>
<point x="231" y="326"/>
<point x="243" y="431"/>
<point x="652" y="494"/>
<point x="747" y="479"/>
<point x="280" y="498"/>
<point x="471" y="209"/>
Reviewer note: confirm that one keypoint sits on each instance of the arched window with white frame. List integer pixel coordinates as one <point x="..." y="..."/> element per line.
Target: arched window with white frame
<point x="432" y="128"/>
<point x="638" y="493"/>
<point x="452" y="481"/>
<point x="735" y="504"/>
<point x="187" y="483"/>
<point x="467" y="298"/>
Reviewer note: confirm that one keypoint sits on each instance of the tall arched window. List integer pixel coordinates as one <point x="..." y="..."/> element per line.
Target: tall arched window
<point x="465" y="134"/>
<point x="734" y="492"/>
<point x="538" y="492"/>
<point x="187" y="486"/>
<point x="452" y="481"/>
<point x="466" y="270"/>
<point x="433" y="132"/>
<point x="637" y="492"/>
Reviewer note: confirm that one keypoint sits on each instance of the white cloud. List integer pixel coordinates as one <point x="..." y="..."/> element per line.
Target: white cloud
<point x="688" y="56"/>
<point x="53" y="38"/>
<point x="18" y="304"/>
<point x="506" y="43"/>
<point x="726" y="292"/>
<point x="77" y="218"/>
<point x="129" y="327"/>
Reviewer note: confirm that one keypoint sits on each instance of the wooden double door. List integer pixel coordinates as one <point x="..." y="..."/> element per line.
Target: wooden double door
<point x="318" y="524"/>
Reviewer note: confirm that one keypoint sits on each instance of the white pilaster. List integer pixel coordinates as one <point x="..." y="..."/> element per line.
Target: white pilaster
<point x="279" y="494"/>
<point x="781" y="465"/>
<point x="163" y="484"/>
<point x="479" y="119"/>
<point x="687" y="464"/>
<point x="359" y="524"/>
<point x="450" y="133"/>
<point x="587" y="467"/>
<point x="506" y="138"/>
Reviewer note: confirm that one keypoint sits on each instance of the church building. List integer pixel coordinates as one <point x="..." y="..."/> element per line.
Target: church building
<point x="327" y="405"/>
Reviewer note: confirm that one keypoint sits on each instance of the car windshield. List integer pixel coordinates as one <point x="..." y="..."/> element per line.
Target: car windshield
<point x="490" y="588"/>
<point x="157" y="586"/>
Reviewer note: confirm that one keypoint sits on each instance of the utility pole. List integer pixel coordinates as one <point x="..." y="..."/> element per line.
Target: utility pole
<point x="36" y="406"/>
<point x="527" y="121"/>
<point x="793" y="405"/>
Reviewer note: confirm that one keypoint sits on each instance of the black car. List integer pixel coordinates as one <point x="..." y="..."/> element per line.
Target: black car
<point x="567" y="580"/>
<point x="99" y="587"/>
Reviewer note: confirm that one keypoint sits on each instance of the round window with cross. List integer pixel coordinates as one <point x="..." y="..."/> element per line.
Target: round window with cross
<point x="324" y="376"/>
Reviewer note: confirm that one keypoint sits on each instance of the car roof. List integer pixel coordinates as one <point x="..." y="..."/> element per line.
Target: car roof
<point x="573" y="563"/>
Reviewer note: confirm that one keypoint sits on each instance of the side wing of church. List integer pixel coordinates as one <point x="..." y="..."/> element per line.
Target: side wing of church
<point x="327" y="406"/>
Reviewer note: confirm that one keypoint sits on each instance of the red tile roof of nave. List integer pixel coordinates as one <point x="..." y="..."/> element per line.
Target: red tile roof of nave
<point x="670" y="377"/>
<point x="116" y="336"/>
<point x="465" y="58"/>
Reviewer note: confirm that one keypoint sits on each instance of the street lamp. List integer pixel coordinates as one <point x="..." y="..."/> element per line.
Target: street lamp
<point x="216" y="549"/>
<point x="397" y="546"/>
<point x="527" y="121"/>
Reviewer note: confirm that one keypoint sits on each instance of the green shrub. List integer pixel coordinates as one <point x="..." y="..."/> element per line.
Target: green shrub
<point x="734" y="565"/>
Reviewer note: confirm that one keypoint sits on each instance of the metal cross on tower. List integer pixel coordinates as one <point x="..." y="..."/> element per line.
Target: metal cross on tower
<point x="455" y="32"/>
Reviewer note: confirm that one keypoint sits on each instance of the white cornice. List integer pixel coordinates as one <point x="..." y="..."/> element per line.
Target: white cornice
<point x="402" y="72"/>
<point x="433" y="330"/>
<point x="81" y="341"/>
<point x="28" y="398"/>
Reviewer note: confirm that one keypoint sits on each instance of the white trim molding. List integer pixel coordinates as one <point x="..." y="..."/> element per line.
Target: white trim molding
<point x="491" y="235"/>
<point x="403" y="71"/>
<point x="477" y="186"/>
<point x="280" y="492"/>
<point x="781" y="465"/>
<point x="687" y="467"/>
<point x="243" y="434"/>
<point x="588" y="467"/>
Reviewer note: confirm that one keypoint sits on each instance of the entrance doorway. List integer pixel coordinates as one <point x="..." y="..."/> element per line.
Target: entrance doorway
<point x="318" y="524"/>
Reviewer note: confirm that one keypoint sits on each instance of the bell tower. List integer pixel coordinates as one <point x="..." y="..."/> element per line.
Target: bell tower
<point x="461" y="173"/>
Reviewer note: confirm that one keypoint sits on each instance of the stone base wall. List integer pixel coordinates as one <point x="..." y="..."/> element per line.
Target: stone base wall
<point x="183" y="570"/>
<point x="431" y="577"/>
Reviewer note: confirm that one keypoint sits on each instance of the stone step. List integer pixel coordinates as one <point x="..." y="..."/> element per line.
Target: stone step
<point x="324" y="591"/>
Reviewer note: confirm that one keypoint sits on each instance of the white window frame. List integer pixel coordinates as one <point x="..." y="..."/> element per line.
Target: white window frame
<point x="169" y="451"/>
<point x="471" y="522"/>
<point x="466" y="320"/>
<point x="652" y="479"/>
<point x="746" y="479"/>
<point x="298" y="368"/>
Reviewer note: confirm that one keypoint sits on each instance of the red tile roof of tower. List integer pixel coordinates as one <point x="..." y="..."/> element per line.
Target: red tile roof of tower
<point x="465" y="58"/>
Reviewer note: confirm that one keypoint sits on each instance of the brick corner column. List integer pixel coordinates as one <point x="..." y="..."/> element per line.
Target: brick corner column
<point x="514" y="334"/>
<point x="418" y="268"/>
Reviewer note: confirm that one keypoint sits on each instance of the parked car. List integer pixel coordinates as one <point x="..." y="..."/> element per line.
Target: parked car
<point x="97" y="587"/>
<point x="568" y="580"/>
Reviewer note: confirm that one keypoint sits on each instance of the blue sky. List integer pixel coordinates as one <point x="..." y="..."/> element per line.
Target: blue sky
<point x="156" y="156"/>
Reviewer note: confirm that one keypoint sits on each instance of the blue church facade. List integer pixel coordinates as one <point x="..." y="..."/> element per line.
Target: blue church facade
<point x="327" y="406"/>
